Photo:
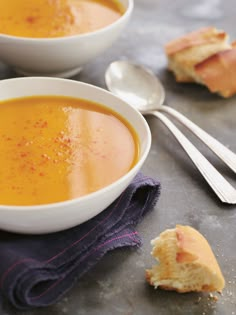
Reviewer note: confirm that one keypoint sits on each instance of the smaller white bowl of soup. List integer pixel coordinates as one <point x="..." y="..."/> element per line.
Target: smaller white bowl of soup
<point x="56" y="38"/>
<point x="68" y="150"/>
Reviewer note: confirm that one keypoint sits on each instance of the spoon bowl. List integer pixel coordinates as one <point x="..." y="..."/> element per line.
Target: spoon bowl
<point x="136" y="85"/>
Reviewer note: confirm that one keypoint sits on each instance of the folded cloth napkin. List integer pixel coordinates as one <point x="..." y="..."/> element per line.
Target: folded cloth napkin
<point x="37" y="270"/>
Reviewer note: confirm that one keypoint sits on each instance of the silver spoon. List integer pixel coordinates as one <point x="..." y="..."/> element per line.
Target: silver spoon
<point x="141" y="88"/>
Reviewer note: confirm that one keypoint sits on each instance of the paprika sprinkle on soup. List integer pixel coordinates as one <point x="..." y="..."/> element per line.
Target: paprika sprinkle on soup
<point x="56" y="148"/>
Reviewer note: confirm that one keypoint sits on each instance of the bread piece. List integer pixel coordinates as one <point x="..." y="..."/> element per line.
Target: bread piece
<point x="205" y="57"/>
<point x="186" y="262"/>
<point x="187" y="51"/>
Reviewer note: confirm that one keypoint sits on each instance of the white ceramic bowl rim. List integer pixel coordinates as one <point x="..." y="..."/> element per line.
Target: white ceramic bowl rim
<point x="128" y="11"/>
<point x="55" y="205"/>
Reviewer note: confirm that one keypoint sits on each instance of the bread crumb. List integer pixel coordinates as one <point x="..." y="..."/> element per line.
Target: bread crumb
<point x="213" y="297"/>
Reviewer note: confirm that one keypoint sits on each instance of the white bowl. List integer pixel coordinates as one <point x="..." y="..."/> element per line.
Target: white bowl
<point x="63" y="56"/>
<point x="62" y="215"/>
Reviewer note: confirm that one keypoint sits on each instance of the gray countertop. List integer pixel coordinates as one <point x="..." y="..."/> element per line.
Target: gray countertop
<point x="116" y="285"/>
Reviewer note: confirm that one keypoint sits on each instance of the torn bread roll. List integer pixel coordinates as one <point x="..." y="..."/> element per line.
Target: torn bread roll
<point x="206" y="57"/>
<point x="185" y="262"/>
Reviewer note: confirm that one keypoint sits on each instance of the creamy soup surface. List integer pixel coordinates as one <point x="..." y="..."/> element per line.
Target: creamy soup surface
<point x="56" y="18"/>
<point x="59" y="148"/>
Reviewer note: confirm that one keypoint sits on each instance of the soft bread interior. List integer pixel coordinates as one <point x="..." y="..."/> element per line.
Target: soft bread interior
<point x="185" y="262"/>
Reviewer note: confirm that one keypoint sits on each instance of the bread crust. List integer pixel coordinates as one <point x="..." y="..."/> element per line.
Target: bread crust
<point x="202" y="36"/>
<point x="218" y="72"/>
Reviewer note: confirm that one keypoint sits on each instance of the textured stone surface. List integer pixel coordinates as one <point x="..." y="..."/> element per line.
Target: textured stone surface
<point x="117" y="285"/>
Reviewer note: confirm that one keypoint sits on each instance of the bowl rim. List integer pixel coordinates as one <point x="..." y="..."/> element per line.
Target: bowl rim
<point x="45" y="40"/>
<point x="55" y="205"/>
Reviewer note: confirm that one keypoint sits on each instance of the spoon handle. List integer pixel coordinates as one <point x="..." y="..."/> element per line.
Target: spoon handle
<point x="218" y="183"/>
<point x="218" y="148"/>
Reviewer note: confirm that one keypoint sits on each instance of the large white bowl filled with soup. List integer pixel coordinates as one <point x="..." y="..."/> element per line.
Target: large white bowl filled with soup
<point x="57" y="38"/>
<point x="68" y="150"/>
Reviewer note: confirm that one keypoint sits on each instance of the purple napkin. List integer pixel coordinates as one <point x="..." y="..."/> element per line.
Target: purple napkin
<point x="36" y="271"/>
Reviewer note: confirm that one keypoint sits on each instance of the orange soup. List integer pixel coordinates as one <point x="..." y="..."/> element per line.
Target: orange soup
<point x="56" y="18"/>
<point x="59" y="148"/>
